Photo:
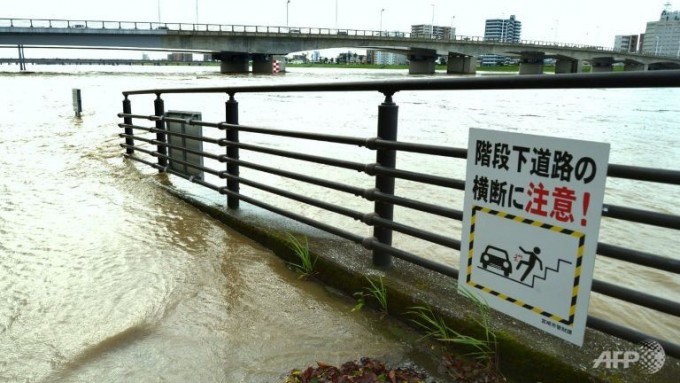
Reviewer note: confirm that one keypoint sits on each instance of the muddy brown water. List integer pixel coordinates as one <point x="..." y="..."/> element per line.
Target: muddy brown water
<point x="106" y="277"/>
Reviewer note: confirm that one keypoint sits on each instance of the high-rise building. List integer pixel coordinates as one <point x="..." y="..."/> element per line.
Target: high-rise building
<point x="663" y="37"/>
<point x="433" y="31"/>
<point x="627" y="43"/>
<point x="503" y="30"/>
<point x="386" y="58"/>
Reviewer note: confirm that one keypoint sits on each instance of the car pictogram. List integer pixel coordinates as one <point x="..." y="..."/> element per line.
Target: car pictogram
<point x="498" y="258"/>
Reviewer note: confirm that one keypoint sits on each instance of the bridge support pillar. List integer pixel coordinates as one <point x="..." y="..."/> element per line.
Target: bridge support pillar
<point x="601" y="65"/>
<point x="263" y="64"/>
<point x="461" y="65"/>
<point x="568" y="66"/>
<point x="419" y="64"/>
<point x="279" y="63"/>
<point x="635" y="67"/>
<point x="233" y="62"/>
<point x="531" y="65"/>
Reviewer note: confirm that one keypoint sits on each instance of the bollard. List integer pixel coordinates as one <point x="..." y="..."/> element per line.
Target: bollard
<point x="159" y="110"/>
<point x="231" y="107"/>
<point x="127" y="109"/>
<point x="77" y="101"/>
<point x="387" y="158"/>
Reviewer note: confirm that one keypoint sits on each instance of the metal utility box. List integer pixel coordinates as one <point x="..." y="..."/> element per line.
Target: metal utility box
<point x="185" y="142"/>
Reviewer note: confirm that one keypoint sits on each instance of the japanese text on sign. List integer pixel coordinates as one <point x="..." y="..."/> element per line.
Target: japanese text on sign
<point x="530" y="225"/>
<point x="544" y="163"/>
<point x="534" y="197"/>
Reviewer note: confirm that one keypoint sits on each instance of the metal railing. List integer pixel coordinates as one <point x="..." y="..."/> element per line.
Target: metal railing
<point x="386" y="146"/>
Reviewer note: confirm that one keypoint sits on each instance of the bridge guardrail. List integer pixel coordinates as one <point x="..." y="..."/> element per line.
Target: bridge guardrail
<point x="345" y="33"/>
<point x="163" y="27"/>
<point x="63" y="23"/>
<point x="153" y="151"/>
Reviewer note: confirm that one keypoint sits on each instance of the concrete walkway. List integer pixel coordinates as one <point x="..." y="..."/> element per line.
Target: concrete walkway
<point x="526" y="354"/>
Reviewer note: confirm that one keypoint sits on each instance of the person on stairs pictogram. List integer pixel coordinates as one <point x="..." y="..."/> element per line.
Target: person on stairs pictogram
<point x="531" y="262"/>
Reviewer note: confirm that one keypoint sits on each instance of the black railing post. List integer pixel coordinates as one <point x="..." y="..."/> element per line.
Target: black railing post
<point x="159" y="111"/>
<point x="127" y="109"/>
<point x="231" y="107"/>
<point x="387" y="158"/>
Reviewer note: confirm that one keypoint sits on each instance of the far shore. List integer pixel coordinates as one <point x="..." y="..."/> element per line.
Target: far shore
<point x="485" y="68"/>
<point x="440" y="68"/>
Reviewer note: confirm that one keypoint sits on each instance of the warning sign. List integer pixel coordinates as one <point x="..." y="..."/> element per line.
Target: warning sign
<point x="530" y="226"/>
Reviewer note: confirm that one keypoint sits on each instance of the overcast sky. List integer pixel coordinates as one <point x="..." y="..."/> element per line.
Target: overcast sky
<point x="593" y="22"/>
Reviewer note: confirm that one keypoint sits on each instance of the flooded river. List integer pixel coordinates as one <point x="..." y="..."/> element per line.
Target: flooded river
<point x="105" y="277"/>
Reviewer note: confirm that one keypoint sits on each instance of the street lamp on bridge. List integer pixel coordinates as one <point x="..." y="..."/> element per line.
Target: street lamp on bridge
<point x="432" y="25"/>
<point x="287" y="6"/>
<point x="381" y="16"/>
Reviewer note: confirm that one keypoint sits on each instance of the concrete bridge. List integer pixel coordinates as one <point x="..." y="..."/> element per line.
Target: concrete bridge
<point x="235" y="46"/>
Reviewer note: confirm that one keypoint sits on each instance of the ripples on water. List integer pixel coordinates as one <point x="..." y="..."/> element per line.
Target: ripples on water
<point x="103" y="276"/>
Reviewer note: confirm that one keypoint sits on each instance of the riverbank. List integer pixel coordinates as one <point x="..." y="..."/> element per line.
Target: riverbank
<point x="156" y="63"/>
<point x="486" y="68"/>
<point x="522" y="353"/>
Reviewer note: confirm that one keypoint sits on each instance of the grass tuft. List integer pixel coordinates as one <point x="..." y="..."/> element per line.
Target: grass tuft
<point x="377" y="291"/>
<point x="435" y="327"/>
<point x="306" y="261"/>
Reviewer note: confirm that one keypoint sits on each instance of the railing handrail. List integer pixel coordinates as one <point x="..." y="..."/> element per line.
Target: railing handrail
<point x="380" y="169"/>
<point x="648" y="79"/>
<point x="295" y="30"/>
